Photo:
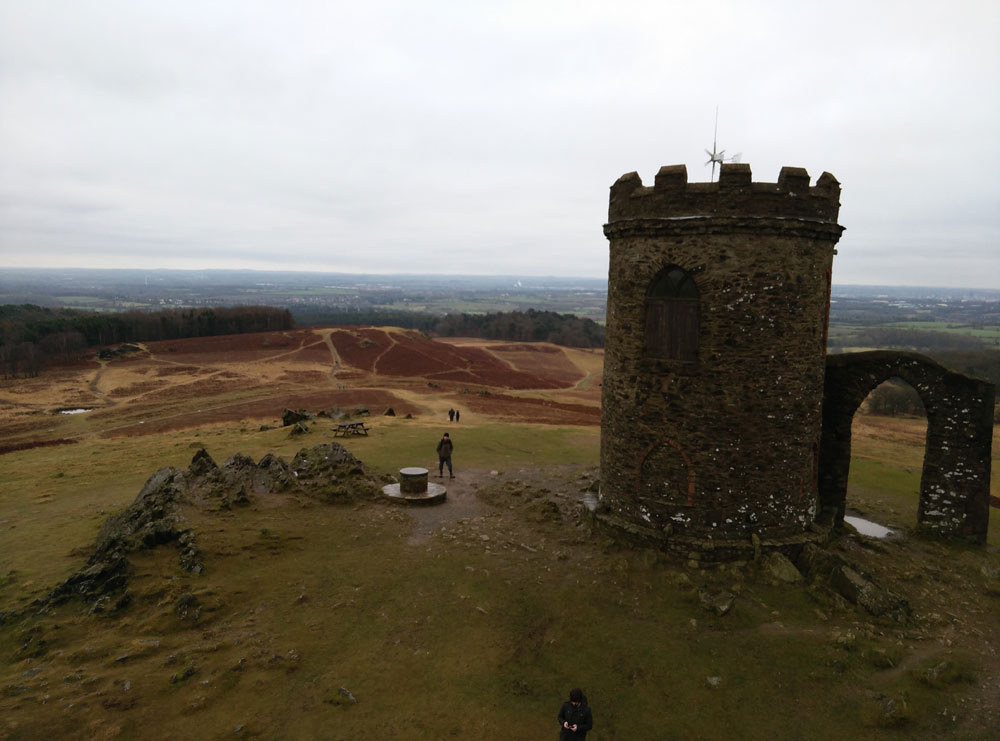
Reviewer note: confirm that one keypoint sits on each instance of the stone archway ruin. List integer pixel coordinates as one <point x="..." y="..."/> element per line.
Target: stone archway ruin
<point x="955" y="481"/>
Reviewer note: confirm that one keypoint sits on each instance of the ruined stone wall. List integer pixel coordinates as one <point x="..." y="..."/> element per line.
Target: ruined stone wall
<point x="955" y="481"/>
<point x="726" y="446"/>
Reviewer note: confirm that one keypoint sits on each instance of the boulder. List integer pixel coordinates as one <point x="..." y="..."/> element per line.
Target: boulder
<point x="291" y="416"/>
<point x="776" y="565"/>
<point x="390" y="412"/>
<point x="719" y="601"/>
<point x="852" y="583"/>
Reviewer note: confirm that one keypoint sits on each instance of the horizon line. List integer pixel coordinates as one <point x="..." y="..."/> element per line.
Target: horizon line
<point x="439" y="275"/>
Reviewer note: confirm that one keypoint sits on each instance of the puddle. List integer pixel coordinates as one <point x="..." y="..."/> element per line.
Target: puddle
<point x="73" y="411"/>
<point x="867" y="527"/>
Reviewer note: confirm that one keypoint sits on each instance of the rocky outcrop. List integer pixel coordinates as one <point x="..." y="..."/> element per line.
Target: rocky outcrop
<point x="850" y="582"/>
<point x="151" y="520"/>
<point x="327" y="472"/>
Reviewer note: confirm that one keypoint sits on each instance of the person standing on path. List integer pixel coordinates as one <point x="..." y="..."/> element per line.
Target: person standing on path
<point x="451" y="415"/>
<point x="457" y="415"/>
<point x="575" y="718"/>
<point x="444" y="449"/>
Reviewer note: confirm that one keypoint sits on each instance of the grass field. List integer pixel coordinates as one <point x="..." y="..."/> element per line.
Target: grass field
<point x="468" y="620"/>
<point x="991" y="334"/>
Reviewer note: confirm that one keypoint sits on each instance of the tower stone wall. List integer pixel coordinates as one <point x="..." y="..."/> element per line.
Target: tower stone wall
<point x="718" y="304"/>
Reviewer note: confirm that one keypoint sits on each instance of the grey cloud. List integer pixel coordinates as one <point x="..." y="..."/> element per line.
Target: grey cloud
<point x="445" y="137"/>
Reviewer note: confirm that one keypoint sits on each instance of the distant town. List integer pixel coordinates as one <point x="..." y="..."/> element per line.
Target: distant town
<point x="312" y="296"/>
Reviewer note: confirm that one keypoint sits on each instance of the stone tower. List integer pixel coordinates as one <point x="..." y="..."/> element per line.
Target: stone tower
<point x="718" y="304"/>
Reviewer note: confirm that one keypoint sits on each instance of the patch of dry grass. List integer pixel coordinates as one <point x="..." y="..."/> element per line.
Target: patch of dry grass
<point x="479" y="627"/>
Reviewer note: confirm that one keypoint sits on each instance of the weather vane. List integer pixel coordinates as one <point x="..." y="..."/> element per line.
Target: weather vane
<point x="720" y="155"/>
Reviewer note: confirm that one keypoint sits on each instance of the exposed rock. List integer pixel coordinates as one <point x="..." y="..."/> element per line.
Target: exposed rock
<point x="719" y="601"/>
<point x="346" y="694"/>
<point x="390" y="412"/>
<point x="291" y="416"/>
<point x="776" y="565"/>
<point x="150" y="520"/>
<point x="330" y="471"/>
<point x="224" y="486"/>
<point x="187" y="607"/>
<point x="201" y="464"/>
<point x="990" y="570"/>
<point x="864" y="592"/>
<point x="892" y="711"/>
<point x="327" y="471"/>
<point x="188" y="672"/>
<point x="272" y="474"/>
<point x="299" y="428"/>
<point x="852" y="583"/>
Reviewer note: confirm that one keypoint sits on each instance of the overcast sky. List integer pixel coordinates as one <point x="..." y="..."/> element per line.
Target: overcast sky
<point x="480" y="137"/>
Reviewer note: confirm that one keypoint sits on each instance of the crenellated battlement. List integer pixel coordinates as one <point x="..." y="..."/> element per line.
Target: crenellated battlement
<point x="735" y="194"/>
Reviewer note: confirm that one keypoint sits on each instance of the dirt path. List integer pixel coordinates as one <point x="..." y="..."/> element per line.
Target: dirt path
<point x="392" y="344"/>
<point x="334" y="357"/>
<point x="460" y="503"/>
<point x="95" y="382"/>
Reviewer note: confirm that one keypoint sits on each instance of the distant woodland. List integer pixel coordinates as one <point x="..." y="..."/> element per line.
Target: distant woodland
<point x="32" y="337"/>
<point x="524" y="326"/>
<point x="532" y="325"/>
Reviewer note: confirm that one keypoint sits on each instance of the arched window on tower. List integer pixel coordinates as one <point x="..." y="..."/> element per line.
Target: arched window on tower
<point x="672" y="316"/>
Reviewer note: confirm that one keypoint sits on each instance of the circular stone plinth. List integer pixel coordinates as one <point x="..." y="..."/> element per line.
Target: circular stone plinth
<point x="413" y="481"/>
<point x="435" y="494"/>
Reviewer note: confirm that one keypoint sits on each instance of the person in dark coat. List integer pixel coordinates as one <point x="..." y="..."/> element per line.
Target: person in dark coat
<point x="451" y="415"/>
<point x="575" y="718"/>
<point x="444" y="449"/>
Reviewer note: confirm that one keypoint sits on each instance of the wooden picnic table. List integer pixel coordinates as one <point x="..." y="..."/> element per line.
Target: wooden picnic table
<point x="344" y="429"/>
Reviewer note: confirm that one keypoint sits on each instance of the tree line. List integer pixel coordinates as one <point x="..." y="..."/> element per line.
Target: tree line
<point x="323" y="317"/>
<point x="524" y="326"/>
<point x="32" y="337"/>
<point x="893" y="397"/>
<point x="532" y="325"/>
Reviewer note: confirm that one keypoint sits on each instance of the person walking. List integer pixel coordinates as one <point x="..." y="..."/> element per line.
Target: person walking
<point x="451" y="415"/>
<point x="444" y="449"/>
<point x="575" y="718"/>
<point x="457" y="415"/>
